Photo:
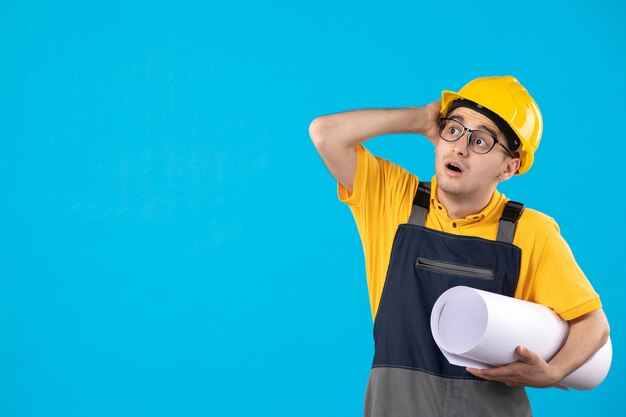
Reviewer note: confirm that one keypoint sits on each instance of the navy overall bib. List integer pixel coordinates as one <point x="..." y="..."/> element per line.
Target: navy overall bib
<point x="410" y="376"/>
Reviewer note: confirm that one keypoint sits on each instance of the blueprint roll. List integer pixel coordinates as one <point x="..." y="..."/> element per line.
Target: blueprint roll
<point x="481" y="330"/>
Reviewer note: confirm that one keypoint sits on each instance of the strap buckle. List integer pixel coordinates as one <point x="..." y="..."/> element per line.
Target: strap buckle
<point x="512" y="211"/>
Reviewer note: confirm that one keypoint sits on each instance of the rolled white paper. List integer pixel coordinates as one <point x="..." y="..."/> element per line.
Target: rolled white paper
<point x="481" y="329"/>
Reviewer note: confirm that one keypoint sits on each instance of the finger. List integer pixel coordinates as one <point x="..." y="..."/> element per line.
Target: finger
<point x="494" y="374"/>
<point x="489" y="377"/>
<point x="478" y="373"/>
<point x="526" y="355"/>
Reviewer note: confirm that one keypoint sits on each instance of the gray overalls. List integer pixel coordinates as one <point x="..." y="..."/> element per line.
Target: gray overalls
<point x="410" y="377"/>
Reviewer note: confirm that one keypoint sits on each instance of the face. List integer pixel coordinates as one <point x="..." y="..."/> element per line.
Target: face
<point x="463" y="174"/>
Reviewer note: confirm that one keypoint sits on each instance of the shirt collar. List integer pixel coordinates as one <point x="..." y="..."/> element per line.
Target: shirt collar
<point x="490" y="210"/>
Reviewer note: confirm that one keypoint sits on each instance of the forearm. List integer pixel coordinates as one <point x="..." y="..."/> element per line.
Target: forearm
<point x="351" y="128"/>
<point x="586" y="335"/>
<point x="336" y="136"/>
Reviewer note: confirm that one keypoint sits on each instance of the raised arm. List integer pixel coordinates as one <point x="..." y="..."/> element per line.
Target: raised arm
<point x="336" y="136"/>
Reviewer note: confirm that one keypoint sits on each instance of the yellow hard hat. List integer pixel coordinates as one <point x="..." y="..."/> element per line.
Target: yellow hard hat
<point x="507" y="98"/>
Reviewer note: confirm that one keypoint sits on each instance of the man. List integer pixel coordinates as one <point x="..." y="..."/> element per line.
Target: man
<point x="422" y="238"/>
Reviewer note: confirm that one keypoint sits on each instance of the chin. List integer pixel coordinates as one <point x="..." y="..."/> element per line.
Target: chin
<point x="450" y="186"/>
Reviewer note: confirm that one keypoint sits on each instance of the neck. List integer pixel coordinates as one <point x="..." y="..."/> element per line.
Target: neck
<point x="459" y="206"/>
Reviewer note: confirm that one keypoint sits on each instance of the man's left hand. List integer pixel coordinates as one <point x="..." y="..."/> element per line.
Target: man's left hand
<point x="531" y="370"/>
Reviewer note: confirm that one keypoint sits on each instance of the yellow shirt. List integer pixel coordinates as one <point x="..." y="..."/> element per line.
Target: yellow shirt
<point x="382" y="198"/>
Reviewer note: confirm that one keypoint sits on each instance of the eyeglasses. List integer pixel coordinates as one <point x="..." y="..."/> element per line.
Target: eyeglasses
<point x="479" y="141"/>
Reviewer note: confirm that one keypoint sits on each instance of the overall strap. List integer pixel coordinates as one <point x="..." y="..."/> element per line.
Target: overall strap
<point x="506" y="227"/>
<point x="421" y="203"/>
<point x="511" y="214"/>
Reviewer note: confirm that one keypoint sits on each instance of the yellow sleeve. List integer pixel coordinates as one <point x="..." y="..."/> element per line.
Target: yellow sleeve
<point x="381" y="199"/>
<point x="559" y="283"/>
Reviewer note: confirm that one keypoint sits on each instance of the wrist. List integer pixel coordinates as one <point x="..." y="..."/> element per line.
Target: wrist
<point x="420" y="120"/>
<point x="557" y="373"/>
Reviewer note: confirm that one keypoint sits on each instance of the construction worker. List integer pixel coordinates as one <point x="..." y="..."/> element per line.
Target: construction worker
<point x="421" y="238"/>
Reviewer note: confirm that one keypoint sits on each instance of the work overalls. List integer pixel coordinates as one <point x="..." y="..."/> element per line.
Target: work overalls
<point x="410" y="376"/>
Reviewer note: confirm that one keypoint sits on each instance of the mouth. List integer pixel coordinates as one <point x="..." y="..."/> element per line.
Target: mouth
<point x="452" y="166"/>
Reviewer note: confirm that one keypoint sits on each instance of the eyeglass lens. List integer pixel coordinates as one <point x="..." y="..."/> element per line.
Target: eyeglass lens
<point x="479" y="141"/>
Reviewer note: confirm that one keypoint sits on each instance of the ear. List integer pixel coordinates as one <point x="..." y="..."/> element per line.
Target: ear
<point x="509" y="169"/>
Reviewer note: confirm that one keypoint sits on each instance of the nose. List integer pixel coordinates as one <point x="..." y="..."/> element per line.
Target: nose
<point x="461" y="145"/>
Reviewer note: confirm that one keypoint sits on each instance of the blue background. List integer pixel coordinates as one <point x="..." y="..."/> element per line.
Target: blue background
<point x="171" y="244"/>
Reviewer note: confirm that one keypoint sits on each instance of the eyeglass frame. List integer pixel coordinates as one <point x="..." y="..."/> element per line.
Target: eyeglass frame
<point x="469" y="135"/>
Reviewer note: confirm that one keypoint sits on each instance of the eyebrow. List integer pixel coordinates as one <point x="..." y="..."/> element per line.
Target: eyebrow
<point x="480" y="127"/>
